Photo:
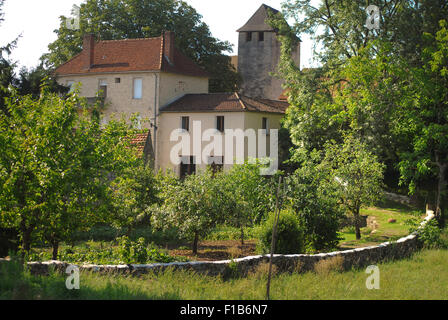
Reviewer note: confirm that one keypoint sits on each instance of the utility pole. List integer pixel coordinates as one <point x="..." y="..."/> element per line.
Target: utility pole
<point x="278" y="205"/>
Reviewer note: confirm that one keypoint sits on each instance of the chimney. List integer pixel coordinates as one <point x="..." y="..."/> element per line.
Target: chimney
<point x="89" y="50"/>
<point x="168" y="45"/>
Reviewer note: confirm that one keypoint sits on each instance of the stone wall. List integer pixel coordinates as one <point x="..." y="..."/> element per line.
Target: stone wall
<point x="360" y="257"/>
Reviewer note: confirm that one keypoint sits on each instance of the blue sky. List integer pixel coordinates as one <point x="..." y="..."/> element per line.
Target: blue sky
<point x="36" y="20"/>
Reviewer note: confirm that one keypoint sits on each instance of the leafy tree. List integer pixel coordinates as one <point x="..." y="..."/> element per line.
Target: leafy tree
<point x="320" y="109"/>
<point x="312" y="195"/>
<point x="6" y="65"/>
<point x="29" y="81"/>
<point x="135" y="193"/>
<point x="422" y="119"/>
<point x="117" y="19"/>
<point x="55" y="166"/>
<point x="193" y="207"/>
<point x="247" y="195"/>
<point x="358" y="173"/>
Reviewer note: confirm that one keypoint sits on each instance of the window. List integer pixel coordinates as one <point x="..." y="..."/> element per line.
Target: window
<point x="220" y="123"/>
<point x="187" y="166"/>
<point x="248" y="36"/>
<point x="138" y="88"/>
<point x="117" y="80"/>
<point x="103" y="88"/>
<point x="216" y="164"/>
<point x="261" y="36"/>
<point x="185" y="123"/>
<point x="265" y="125"/>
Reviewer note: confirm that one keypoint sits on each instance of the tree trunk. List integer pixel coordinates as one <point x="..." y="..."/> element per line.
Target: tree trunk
<point x="26" y="232"/>
<point x="195" y="243"/>
<point x="26" y="241"/>
<point x="242" y="236"/>
<point x="55" y="246"/>
<point x="440" y="192"/>
<point x="357" y="228"/>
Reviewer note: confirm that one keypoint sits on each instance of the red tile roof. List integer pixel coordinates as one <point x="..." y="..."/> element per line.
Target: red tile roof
<point x="131" y="55"/>
<point x="224" y="102"/>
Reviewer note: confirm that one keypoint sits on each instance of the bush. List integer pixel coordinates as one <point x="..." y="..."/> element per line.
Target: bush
<point x="431" y="235"/>
<point x="314" y="199"/>
<point x="289" y="235"/>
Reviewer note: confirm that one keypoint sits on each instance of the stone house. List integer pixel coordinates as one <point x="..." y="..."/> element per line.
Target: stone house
<point x="152" y="78"/>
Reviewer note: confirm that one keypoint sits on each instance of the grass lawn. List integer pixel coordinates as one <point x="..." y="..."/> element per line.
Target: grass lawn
<point x="384" y="231"/>
<point x="424" y="276"/>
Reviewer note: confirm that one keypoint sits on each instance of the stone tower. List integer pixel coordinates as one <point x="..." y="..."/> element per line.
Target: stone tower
<point x="259" y="55"/>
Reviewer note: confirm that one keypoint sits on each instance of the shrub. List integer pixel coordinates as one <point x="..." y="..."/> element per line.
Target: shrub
<point x="140" y="251"/>
<point x="313" y="198"/>
<point x="289" y="234"/>
<point x="431" y="235"/>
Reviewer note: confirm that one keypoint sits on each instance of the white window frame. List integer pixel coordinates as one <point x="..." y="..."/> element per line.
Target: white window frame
<point x="134" y="96"/>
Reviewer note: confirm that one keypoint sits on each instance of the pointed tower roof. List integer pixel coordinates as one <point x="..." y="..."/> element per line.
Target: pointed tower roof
<point x="258" y="21"/>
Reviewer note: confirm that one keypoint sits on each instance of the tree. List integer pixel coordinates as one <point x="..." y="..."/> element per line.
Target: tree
<point x="116" y="19"/>
<point x="320" y="110"/>
<point x="6" y="66"/>
<point x="193" y="207"/>
<point x="135" y="193"/>
<point x="358" y="173"/>
<point x="312" y="196"/>
<point x="29" y="81"/>
<point x="56" y="165"/>
<point x="421" y="122"/>
<point x="247" y="196"/>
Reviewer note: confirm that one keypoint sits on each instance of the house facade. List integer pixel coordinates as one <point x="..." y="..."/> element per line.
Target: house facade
<point x="152" y="78"/>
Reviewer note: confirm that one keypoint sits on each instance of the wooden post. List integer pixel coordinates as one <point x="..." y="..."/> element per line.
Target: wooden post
<point x="278" y="205"/>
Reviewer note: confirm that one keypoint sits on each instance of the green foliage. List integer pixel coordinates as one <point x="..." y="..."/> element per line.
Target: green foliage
<point x="120" y="251"/>
<point x="431" y="234"/>
<point x="114" y="20"/>
<point x="245" y="195"/>
<point x="290" y="236"/>
<point x="136" y="191"/>
<point x="358" y="173"/>
<point x="312" y="195"/>
<point x="56" y="165"/>
<point x="193" y="207"/>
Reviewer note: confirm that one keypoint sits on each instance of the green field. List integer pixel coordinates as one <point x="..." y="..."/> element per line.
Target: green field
<point x="386" y="231"/>
<point x="424" y="276"/>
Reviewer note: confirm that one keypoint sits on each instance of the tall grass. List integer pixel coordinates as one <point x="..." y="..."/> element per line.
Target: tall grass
<point x="424" y="276"/>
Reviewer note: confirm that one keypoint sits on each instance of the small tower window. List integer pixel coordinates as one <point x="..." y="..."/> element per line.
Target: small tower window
<point x="261" y="36"/>
<point x="248" y="36"/>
